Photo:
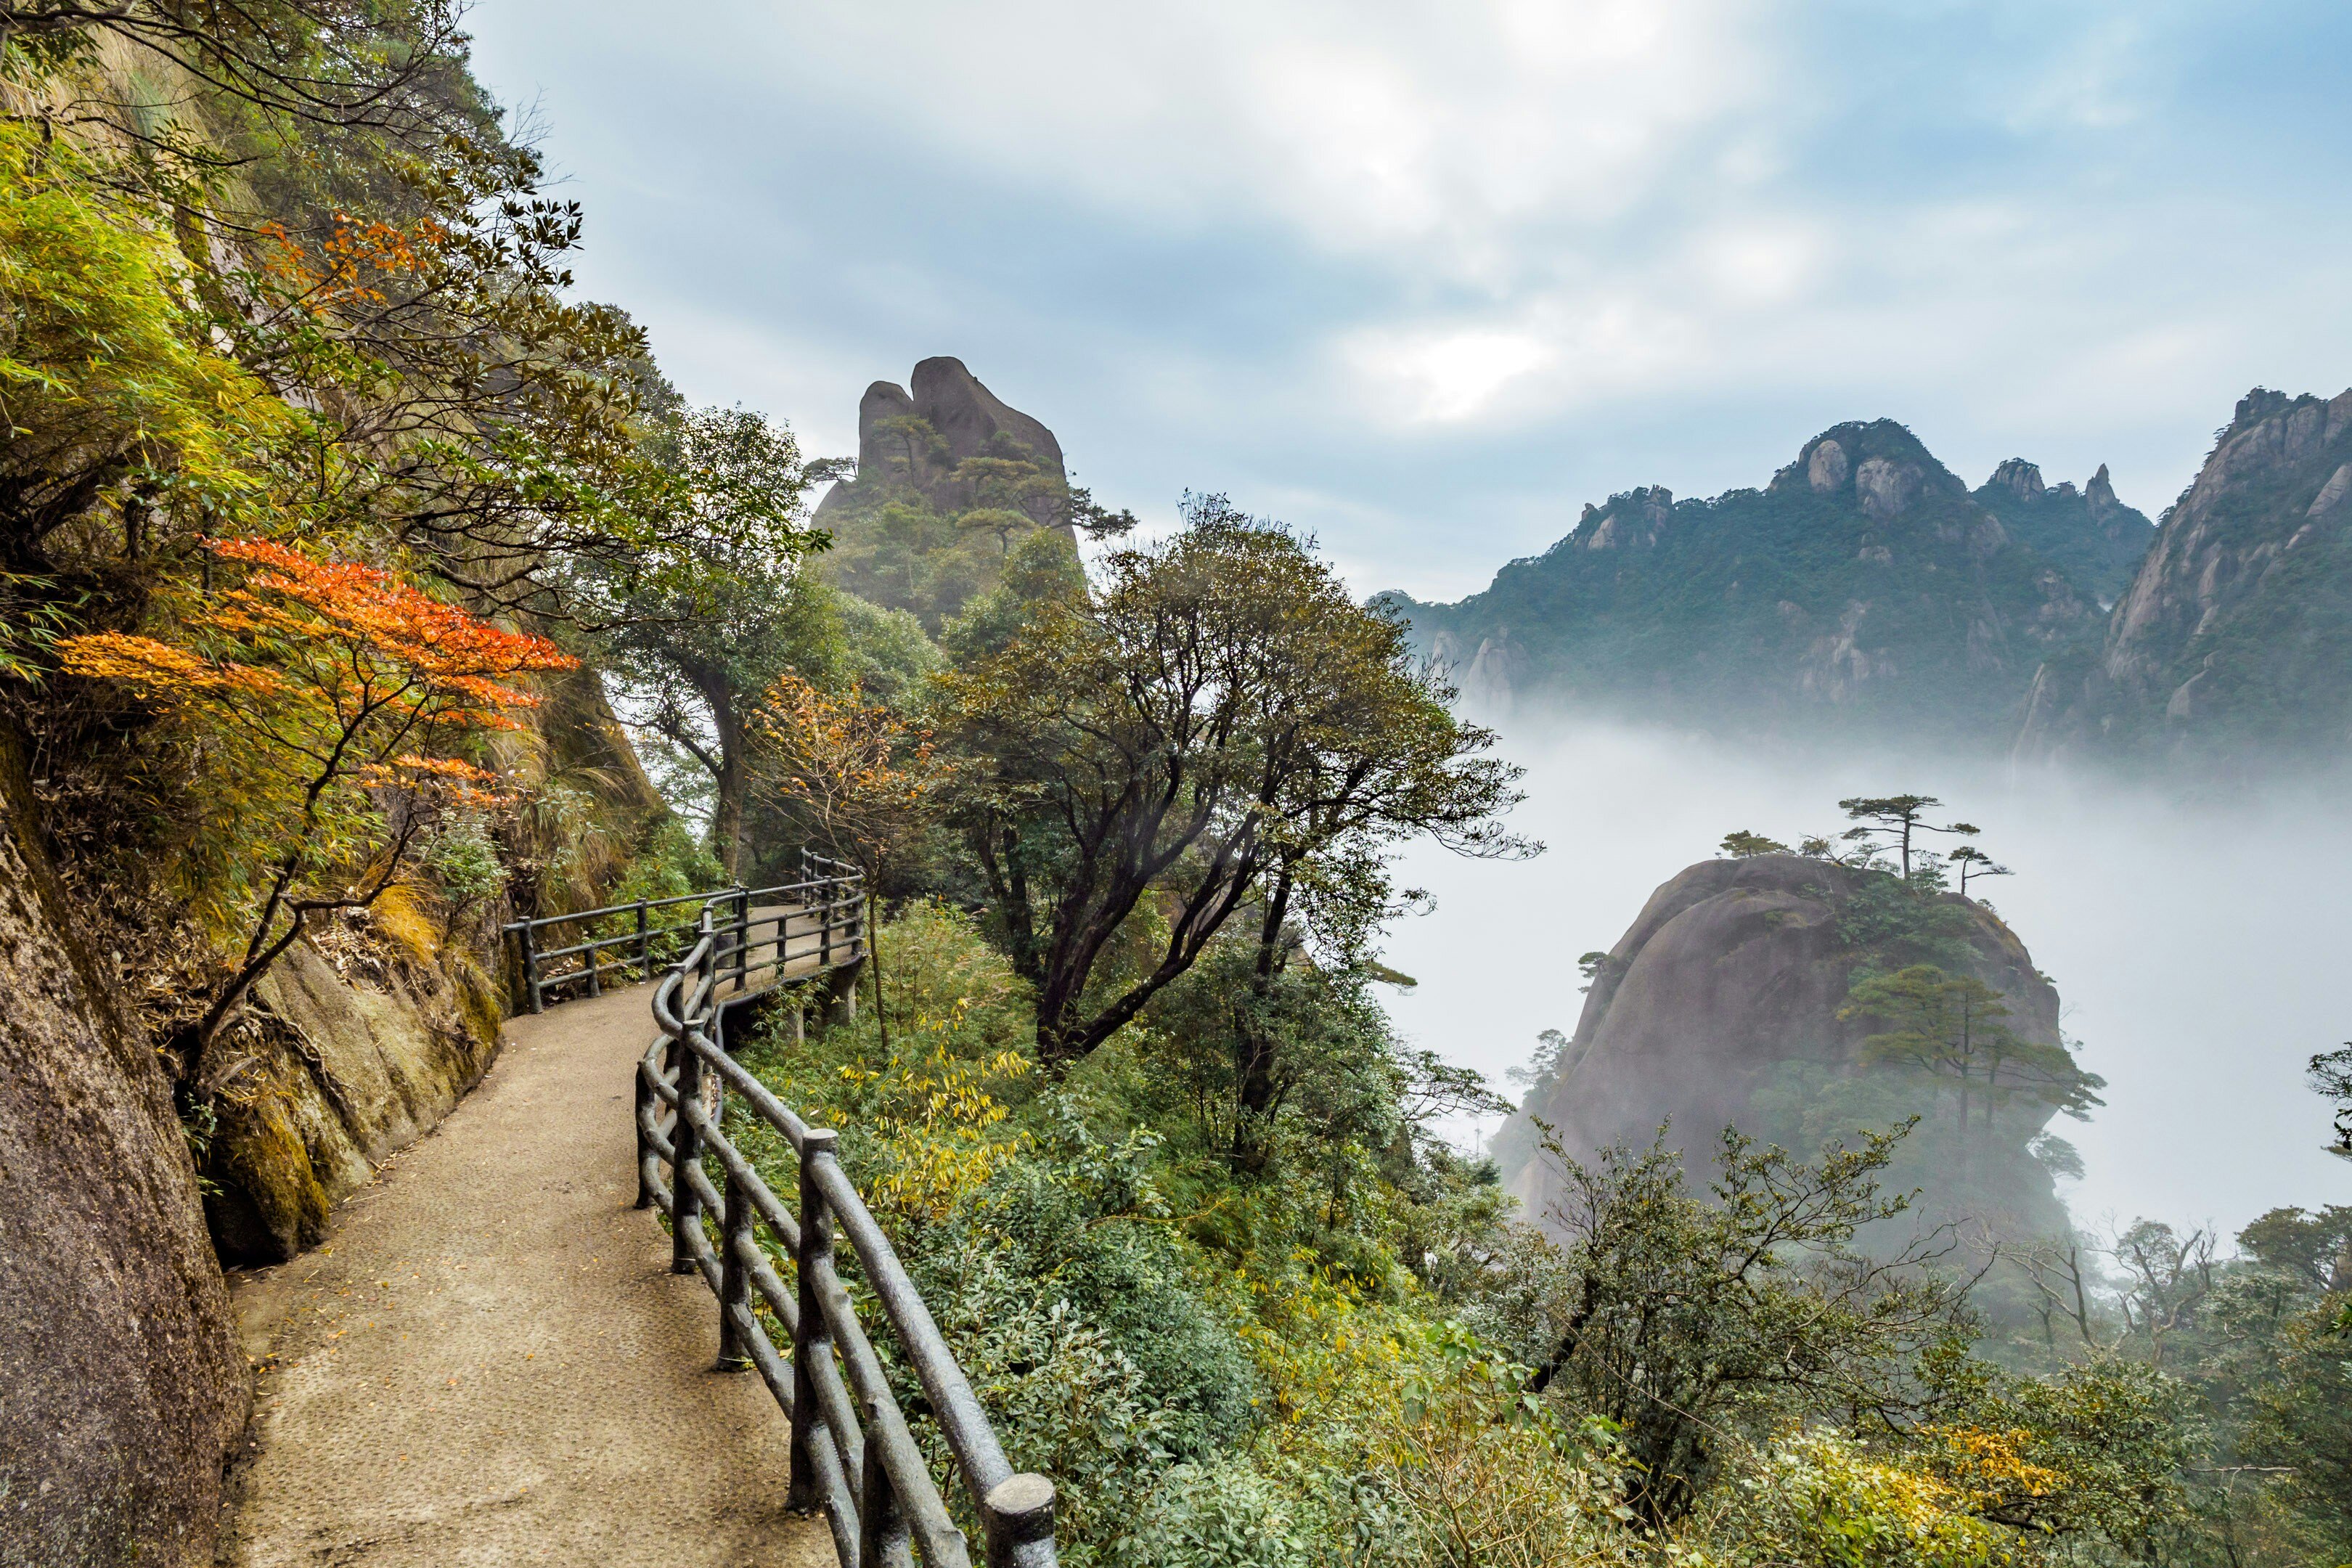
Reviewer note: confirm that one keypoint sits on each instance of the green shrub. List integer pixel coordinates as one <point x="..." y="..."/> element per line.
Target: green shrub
<point x="1223" y="1513"/>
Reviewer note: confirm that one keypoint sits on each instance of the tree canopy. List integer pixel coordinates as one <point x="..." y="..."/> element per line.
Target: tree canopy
<point x="1217" y="707"/>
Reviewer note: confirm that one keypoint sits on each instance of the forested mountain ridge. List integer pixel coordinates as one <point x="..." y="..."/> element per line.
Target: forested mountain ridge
<point x="1864" y="586"/>
<point x="2088" y="534"/>
<point x="2234" y="640"/>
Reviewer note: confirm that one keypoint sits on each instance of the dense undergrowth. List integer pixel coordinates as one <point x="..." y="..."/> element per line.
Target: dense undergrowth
<point x="1347" y="1356"/>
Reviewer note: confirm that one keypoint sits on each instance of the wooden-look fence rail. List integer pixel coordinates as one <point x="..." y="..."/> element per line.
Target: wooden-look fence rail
<point x="853" y="1453"/>
<point x="827" y="906"/>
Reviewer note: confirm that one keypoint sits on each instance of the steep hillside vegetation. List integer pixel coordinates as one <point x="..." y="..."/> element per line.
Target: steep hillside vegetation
<point x="2232" y="646"/>
<point x="307" y="433"/>
<point x="1862" y="588"/>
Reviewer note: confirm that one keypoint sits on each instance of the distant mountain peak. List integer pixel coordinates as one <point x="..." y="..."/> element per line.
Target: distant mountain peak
<point x="1633" y="519"/>
<point x="1864" y="586"/>
<point x="2021" y="479"/>
<point x="2101" y="493"/>
<point x="1877" y="464"/>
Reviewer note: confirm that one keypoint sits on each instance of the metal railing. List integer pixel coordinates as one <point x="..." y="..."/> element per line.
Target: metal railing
<point x="827" y="907"/>
<point x="853" y="1453"/>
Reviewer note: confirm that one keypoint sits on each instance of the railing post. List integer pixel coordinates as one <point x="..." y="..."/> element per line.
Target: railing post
<point x="645" y="945"/>
<point x="594" y="957"/>
<point x="1018" y="1512"/>
<point x="707" y="938"/>
<point x="685" y="1144"/>
<point x="530" y="967"/>
<point x="735" y="1234"/>
<point x="813" y="1338"/>
<point x="882" y="1540"/>
<point x="648" y="1110"/>
<point x="823" y="923"/>
<point x="742" y="937"/>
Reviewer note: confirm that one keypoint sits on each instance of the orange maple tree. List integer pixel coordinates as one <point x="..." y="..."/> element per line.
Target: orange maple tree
<point x="328" y="694"/>
<point x="871" y="782"/>
<point x="867" y="778"/>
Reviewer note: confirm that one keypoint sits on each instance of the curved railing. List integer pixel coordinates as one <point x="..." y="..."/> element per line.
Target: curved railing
<point x="827" y="906"/>
<point x="852" y="1451"/>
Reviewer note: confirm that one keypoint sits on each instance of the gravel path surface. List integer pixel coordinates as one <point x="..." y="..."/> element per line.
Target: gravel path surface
<point x="489" y="1362"/>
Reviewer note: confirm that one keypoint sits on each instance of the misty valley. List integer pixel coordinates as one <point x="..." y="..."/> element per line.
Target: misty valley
<point x="620" y="954"/>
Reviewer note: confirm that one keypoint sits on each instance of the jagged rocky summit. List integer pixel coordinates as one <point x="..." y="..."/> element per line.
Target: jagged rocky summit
<point x="1865" y="587"/>
<point x="916" y="440"/>
<point x="2087" y="533"/>
<point x="949" y="478"/>
<point x="2231" y="645"/>
<point x="1719" y="1007"/>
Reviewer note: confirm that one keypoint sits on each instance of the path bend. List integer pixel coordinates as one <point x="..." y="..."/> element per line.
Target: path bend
<point x="488" y="1361"/>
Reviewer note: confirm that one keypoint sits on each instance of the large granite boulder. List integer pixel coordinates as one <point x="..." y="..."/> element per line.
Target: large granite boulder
<point x="1733" y="968"/>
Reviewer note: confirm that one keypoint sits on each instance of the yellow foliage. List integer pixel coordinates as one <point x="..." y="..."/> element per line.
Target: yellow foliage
<point x="1987" y="1468"/>
<point x="939" y="1137"/>
<point x="1821" y="1497"/>
<point x="1327" y="1356"/>
<point x="404" y="914"/>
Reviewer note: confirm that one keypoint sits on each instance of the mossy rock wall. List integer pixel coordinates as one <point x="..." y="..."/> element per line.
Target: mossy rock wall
<point x="121" y="1386"/>
<point x="338" y="1075"/>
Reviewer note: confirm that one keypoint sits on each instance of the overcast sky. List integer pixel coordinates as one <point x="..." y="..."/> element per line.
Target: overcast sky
<point x="1426" y="277"/>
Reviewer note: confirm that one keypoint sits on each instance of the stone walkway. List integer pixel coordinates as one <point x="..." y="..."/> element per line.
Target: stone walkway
<point x="488" y="1361"/>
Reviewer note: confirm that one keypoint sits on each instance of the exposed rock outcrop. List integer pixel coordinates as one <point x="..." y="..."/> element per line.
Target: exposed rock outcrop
<point x="949" y="480"/>
<point x="348" y="1060"/>
<point x="2234" y="638"/>
<point x="1733" y="969"/>
<point x="2088" y="534"/>
<point x="122" y="1386"/>
<point x="338" y="1076"/>
<point x="917" y="439"/>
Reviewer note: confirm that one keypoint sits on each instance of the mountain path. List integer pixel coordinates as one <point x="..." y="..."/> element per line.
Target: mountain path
<point x="488" y="1361"/>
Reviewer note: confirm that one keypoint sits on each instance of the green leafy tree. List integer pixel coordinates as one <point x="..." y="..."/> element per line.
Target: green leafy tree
<point x="1952" y="1029"/>
<point x="2331" y="1076"/>
<point x="702" y="633"/>
<point x="1742" y="843"/>
<point x="1696" y="1323"/>
<point x="323" y="64"/>
<point x="1974" y="862"/>
<point x="1895" y="819"/>
<point x="1219" y="712"/>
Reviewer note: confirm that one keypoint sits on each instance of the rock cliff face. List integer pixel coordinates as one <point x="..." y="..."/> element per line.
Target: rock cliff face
<point x="949" y="478"/>
<point x="1733" y="971"/>
<point x="122" y="1386"/>
<point x="2235" y="637"/>
<point x="1863" y="587"/>
<point x="916" y="440"/>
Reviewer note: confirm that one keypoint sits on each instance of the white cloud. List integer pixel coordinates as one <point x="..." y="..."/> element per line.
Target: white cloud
<point x="1507" y="247"/>
<point x="1353" y="124"/>
<point x="1443" y="377"/>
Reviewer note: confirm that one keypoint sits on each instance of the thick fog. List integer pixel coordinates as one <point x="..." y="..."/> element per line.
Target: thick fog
<point x="2201" y="950"/>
